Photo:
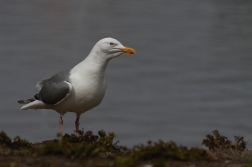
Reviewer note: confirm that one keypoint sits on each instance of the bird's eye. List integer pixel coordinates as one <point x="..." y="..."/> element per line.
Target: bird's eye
<point x="111" y="43"/>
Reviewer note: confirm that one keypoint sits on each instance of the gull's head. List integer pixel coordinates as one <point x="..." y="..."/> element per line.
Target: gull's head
<point x="111" y="48"/>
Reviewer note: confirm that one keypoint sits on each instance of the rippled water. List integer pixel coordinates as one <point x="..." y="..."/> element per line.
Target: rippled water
<point x="192" y="72"/>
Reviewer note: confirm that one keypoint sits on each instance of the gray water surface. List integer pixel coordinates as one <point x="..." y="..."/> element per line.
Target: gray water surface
<point x="192" y="72"/>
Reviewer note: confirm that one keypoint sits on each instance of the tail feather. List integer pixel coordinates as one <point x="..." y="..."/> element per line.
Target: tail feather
<point x="36" y="104"/>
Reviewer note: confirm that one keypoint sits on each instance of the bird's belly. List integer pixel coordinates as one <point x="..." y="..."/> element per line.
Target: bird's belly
<point x="85" y="97"/>
<point x="85" y="100"/>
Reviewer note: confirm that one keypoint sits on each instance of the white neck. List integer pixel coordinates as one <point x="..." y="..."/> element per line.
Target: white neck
<point x="94" y="64"/>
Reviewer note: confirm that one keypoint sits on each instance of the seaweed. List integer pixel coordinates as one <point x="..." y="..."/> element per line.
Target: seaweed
<point x="169" y="151"/>
<point x="101" y="150"/>
<point x="5" y="141"/>
<point x="17" y="142"/>
<point x="218" y="142"/>
<point x="85" y="145"/>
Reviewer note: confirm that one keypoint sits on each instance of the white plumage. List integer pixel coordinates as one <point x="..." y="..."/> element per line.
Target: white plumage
<point x="80" y="89"/>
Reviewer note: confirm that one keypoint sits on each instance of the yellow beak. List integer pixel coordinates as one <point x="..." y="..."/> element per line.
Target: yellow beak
<point x="128" y="50"/>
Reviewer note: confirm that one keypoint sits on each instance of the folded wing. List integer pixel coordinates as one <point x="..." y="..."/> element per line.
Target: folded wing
<point x="54" y="92"/>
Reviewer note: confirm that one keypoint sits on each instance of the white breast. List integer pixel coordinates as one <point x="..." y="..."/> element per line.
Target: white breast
<point x="88" y="85"/>
<point x="87" y="92"/>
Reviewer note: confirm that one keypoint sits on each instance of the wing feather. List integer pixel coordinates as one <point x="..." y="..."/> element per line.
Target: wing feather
<point x="54" y="92"/>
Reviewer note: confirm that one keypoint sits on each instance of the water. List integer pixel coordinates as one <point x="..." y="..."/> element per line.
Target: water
<point x="192" y="72"/>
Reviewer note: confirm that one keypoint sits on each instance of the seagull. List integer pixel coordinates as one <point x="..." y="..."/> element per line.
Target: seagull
<point x="79" y="89"/>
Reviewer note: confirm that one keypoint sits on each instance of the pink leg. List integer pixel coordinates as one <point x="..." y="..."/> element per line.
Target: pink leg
<point x="61" y="126"/>
<point x="77" y="123"/>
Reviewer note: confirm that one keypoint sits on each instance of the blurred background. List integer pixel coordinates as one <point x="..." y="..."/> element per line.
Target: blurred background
<point x="192" y="72"/>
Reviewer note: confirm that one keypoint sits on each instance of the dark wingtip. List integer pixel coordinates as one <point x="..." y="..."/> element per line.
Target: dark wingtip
<point x="20" y="101"/>
<point x="25" y="101"/>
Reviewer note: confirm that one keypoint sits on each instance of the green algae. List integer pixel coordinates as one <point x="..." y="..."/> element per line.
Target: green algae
<point x="218" y="142"/>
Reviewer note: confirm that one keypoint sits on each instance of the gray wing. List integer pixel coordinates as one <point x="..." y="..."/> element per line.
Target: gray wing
<point x="55" y="89"/>
<point x="54" y="93"/>
<point x="59" y="77"/>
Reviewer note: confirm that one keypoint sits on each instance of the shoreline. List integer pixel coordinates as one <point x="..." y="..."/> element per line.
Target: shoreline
<point x="101" y="151"/>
